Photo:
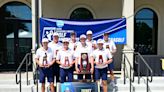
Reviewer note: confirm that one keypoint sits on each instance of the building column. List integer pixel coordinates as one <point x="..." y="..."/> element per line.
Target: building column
<point x="35" y="25"/>
<point x="128" y="13"/>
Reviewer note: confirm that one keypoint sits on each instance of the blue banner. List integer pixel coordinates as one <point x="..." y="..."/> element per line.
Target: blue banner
<point x="115" y="27"/>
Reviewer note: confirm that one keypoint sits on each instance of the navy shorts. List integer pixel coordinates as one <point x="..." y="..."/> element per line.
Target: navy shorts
<point x="56" y="69"/>
<point x="101" y="73"/>
<point x="46" y="72"/>
<point x="80" y="76"/>
<point x="66" y="72"/>
<point x="111" y="66"/>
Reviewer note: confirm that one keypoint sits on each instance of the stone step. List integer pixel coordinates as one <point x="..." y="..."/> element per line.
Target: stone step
<point x="13" y="82"/>
<point x="14" y="88"/>
<point x="142" y="80"/>
<point x="140" y="87"/>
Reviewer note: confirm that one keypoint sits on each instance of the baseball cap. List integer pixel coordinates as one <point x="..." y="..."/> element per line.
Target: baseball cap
<point x="55" y="34"/>
<point x="65" y="40"/>
<point x="89" y="32"/>
<point x="44" y="40"/>
<point x="82" y="36"/>
<point x="100" y="41"/>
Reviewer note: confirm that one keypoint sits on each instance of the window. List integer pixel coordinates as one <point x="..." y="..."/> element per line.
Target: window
<point x="15" y="33"/>
<point x="146" y="30"/>
<point x="81" y="13"/>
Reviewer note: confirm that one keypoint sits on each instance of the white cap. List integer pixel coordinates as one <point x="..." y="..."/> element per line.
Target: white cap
<point x="55" y="34"/>
<point x="45" y="40"/>
<point x="94" y="42"/>
<point x="83" y="36"/>
<point x="89" y="32"/>
<point x="65" y="40"/>
<point x="100" y="41"/>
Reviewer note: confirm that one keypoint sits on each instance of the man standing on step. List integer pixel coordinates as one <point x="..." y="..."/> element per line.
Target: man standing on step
<point x="55" y="45"/>
<point x="92" y="45"/>
<point x="83" y="60"/>
<point x="45" y="59"/>
<point x="101" y="57"/>
<point x="110" y="45"/>
<point x="66" y="60"/>
<point x="73" y="45"/>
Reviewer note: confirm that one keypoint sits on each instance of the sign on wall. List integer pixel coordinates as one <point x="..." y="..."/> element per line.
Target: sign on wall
<point x="115" y="27"/>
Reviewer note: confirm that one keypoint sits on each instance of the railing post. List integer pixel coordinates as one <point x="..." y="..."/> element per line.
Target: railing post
<point x="27" y="70"/>
<point x="20" y="81"/>
<point x="138" y="72"/>
<point x="37" y="79"/>
<point x="147" y="80"/>
<point x="130" y="79"/>
<point x="124" y="67"/>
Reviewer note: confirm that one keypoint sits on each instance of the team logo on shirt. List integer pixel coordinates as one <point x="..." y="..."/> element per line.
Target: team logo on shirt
<point x="107" y="46"/>
<point x="66" y="61"/>
<point x="45" y="59"/>
<point x="100" y="59"/>
<point x="56" y="52"/>
<point x="74" y="47"/>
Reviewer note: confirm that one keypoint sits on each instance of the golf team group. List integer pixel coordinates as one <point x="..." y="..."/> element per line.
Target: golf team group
<point x="90" y="59"/>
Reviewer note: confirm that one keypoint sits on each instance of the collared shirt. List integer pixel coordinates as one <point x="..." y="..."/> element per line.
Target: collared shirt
<point x="65" y="56"/>
<point x="81" y="50"/>
<point x="41" y="53"/>
<point x="55" y="47"/>
<point x="109" y="45"/>
<point x="91" y="43"/>
<point x="102" y="55"/>
<point x="73" y="45"/>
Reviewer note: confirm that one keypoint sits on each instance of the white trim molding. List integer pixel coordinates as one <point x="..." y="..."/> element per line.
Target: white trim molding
<point x="81" y="6"/>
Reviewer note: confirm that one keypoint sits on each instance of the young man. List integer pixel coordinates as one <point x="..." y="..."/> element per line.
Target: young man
<point x="101" y="58"/>
<point x="92" y="45"/>
<point x="73" y="42"/>
<point x="110" y="45"/>
<point x="55" y="45"/>
<point x="83" y="56"/>
<point x="66" y="61"/>
<point x="45" y="59"/>
<point x="90" y="42"/>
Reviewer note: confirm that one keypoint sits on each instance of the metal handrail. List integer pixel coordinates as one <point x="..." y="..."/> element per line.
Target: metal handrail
<point x="25" y="60"/>
<point x="131" y="78"/>
<point x="35" y="76"/>
<point x="148" y="69"/>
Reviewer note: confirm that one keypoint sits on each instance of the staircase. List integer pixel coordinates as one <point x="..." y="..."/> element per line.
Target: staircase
<point x="157" y="85"/>
<point x="7" y="84"/>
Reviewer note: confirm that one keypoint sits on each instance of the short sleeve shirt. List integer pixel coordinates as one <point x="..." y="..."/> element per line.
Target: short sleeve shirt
<point x="41" y="53"/>
<point x="110" y="45"/>
<point x="55" y="47"/>
<point x="90" y="43"/>
<point x="82" y="49"/>
<point x="73" y="45"/>
<point x="65" y="55"/>
<point x="104" y="54"/>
